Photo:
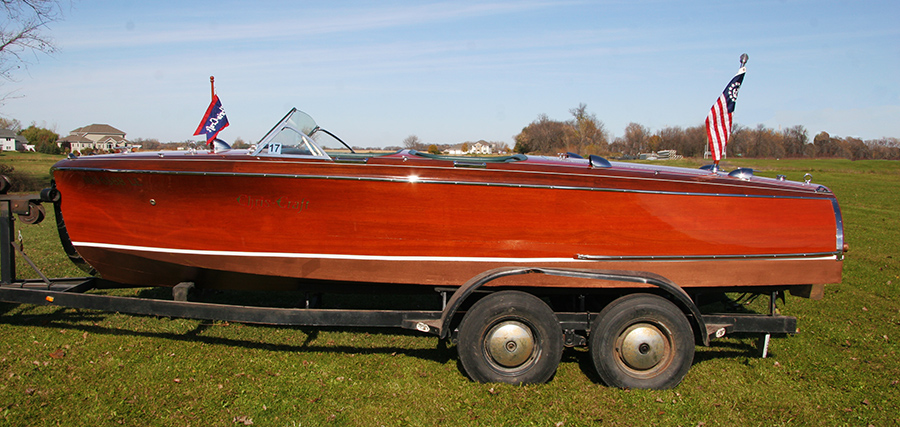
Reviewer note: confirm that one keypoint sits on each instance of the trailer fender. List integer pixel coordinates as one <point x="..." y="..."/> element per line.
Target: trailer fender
<point x="680" y="296"/>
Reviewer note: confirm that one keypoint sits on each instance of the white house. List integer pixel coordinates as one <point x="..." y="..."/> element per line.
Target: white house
<point x="96" y="137"/>
<point x="9" y="141"/>
<point x="480" y="147"/>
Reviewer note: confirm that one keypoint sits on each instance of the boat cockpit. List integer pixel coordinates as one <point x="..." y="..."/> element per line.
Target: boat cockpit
<point x="297" y="134"/>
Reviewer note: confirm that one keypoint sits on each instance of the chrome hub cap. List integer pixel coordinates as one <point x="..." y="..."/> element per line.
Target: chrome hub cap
<point x="510" y="343"/>
<point x="643" y="346"/>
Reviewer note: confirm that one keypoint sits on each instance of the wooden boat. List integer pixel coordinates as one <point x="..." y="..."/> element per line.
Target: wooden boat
<point x="538" y="252"/>
<point x="301" y="209"/>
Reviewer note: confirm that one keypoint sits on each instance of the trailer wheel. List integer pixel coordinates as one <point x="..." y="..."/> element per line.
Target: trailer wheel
<point x="510" y="337"/>
<point x="35" y="214"/>
<point x="642" y="341"/>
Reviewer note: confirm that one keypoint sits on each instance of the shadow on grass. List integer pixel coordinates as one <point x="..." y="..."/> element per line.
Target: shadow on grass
<point x="89" y="321"/>
<point x="722" y="349"/>
<point x="298" y="299"/>
<point x="582" y="357"/>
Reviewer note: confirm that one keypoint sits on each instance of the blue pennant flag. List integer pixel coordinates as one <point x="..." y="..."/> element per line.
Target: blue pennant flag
<point x="213" y="121"/>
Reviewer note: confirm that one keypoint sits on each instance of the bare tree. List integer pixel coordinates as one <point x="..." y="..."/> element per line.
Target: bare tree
<point x="239" y="143"/>
<point x="11" y="124"/>
<point x="636" y="138"/>
<point x="22" y="31"/>
<point x="590" y="134"/>
<point x="151" y="144"/>
<point x="884" y="148"/>
<point x="738" y="142"/>
<point x="858" y="149"/>
<point x="583" y="134"/>
<point x="765" y="142"/>
<point x="795" y="140"/>
<point x="544" y="136"/>
<point x="413" y="142"/>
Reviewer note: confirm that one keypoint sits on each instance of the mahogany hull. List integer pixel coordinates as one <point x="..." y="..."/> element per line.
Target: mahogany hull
<point x="234" y="220"/>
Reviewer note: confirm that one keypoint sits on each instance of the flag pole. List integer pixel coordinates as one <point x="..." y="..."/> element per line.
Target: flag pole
<point x="718" y="121"/>
<point x="744" y="58"/>
<point x="214" y="120"/>
<point x="212" y="98"/>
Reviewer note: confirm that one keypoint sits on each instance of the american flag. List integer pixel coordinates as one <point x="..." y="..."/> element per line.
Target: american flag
<point x="718" y="122"/>
<point x="213" y="121"/>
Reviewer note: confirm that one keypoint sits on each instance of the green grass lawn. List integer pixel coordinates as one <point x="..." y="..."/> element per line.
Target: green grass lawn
<point x="35" y="167"/>
<point x="63" y="366"/>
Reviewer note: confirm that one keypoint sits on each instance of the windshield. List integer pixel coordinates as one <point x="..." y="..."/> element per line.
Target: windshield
<point x="298" y="134"/>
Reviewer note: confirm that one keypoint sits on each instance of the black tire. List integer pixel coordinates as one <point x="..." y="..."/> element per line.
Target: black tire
<point x="642" y="341"/>
<point x="510" y="337"/>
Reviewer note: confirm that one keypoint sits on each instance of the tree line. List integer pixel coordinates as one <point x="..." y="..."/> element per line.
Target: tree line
<point x="584" y="134"/>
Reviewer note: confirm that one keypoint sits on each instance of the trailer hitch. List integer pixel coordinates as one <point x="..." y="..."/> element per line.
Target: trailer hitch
<point x="29" y="209"/>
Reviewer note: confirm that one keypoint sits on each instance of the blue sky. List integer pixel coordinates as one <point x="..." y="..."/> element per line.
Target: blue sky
<point x="377" y="72"/>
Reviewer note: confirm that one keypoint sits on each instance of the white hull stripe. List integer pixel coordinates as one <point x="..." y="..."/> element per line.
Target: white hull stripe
<point x="319" y="256"/>
<point x="406" y="258"/>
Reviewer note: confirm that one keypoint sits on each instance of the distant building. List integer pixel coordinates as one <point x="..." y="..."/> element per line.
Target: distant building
<point x="661" y="155"/>
<point x="95" y="137"/>
<point x="9" y="141"/>
<point x="480" y="147"/>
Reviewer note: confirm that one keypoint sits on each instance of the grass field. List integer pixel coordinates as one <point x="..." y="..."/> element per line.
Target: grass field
<point x="69" y="367"/>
